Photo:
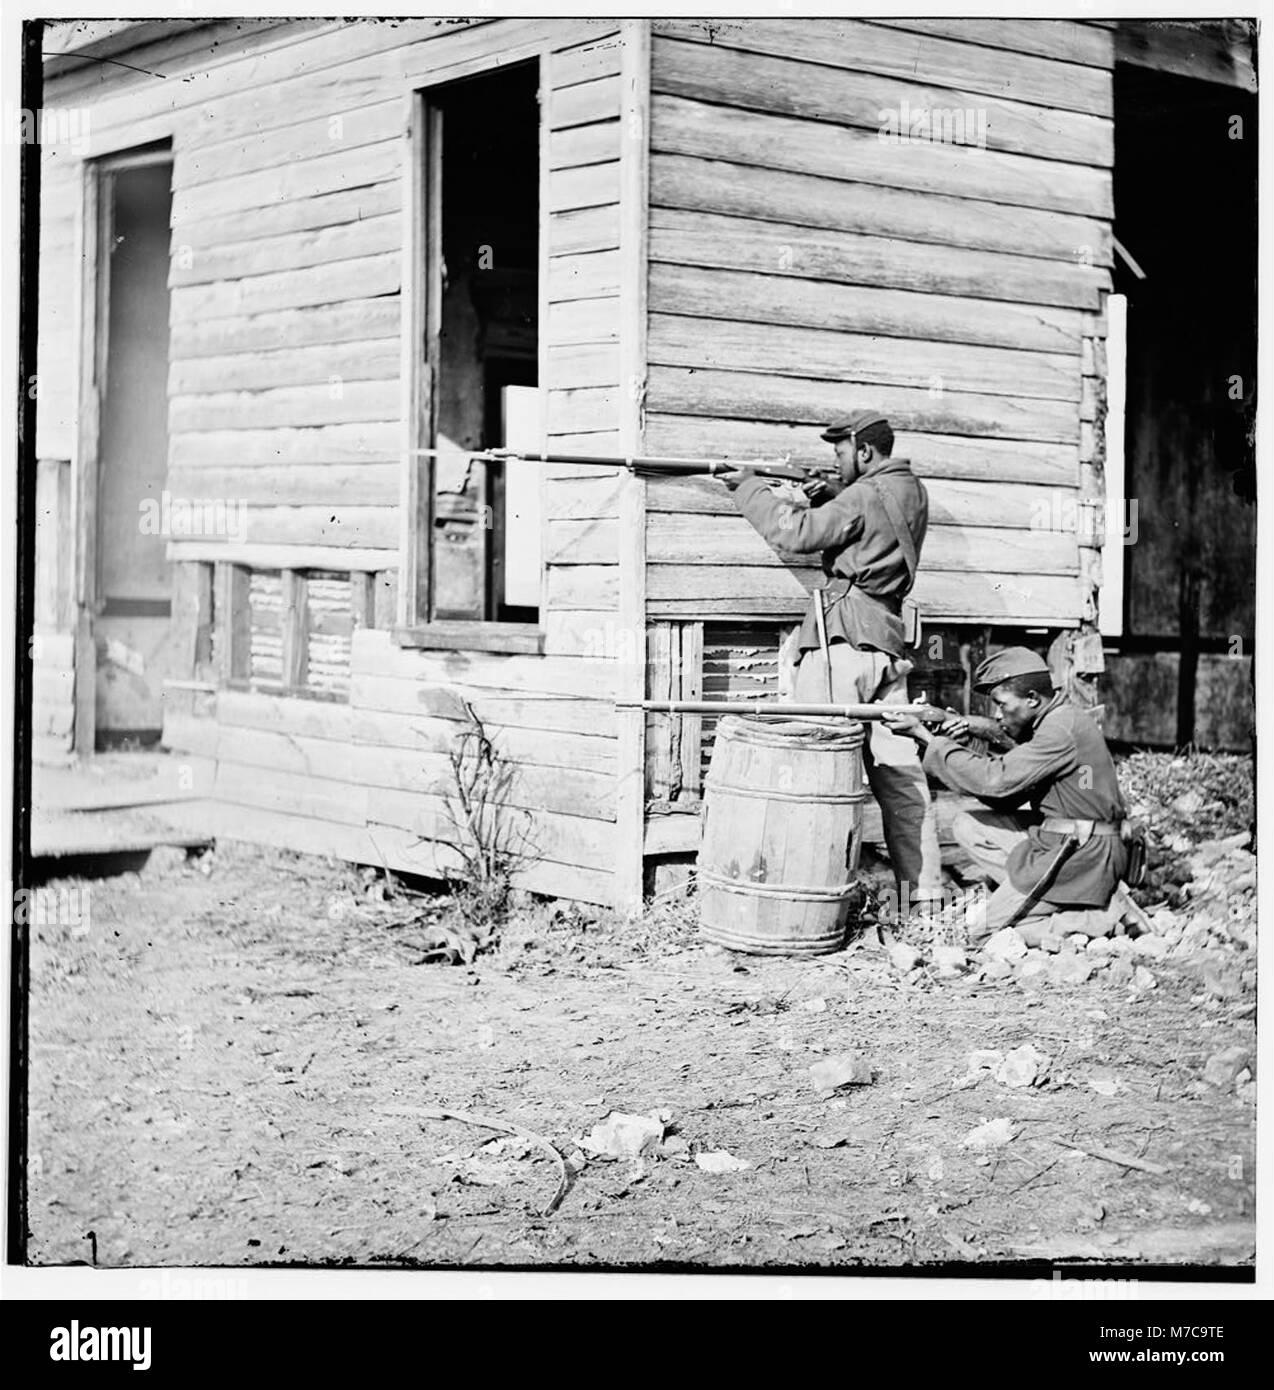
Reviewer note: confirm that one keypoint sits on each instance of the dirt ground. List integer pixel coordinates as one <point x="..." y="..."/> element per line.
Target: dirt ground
<point x="226" y="1055"/>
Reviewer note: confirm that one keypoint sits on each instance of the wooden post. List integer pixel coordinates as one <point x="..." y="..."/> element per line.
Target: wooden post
<point x="296" y="630"/>
<point x="634" y="208"/>
<point x="1188" y="668"/>
<point x="233" y="624"/>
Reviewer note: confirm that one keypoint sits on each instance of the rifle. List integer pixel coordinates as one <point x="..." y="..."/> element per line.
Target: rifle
<point x="788" y="709"/>
<point x="650" y="465"/>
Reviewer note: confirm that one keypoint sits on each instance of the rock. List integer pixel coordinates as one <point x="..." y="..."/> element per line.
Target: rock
<point x="1150" y="947"/>
<point x="1070" y="969"/>
<point x="949" y="961"/>
<point x="1221" y="984"/>
<point x="847" y="1069"/>
<point x="1032" y="969"/>
<point x="1102" y="946"/>
<point x="1143" y="979"/>
<point x="904" y="957"/>
<point x="675" y="1146"/>
<point x="1024" y="1066"/>
<point x="812" y="1006"/>
<point x="994" y="1134"/>
<point x="1005" y="944"/>
<point x="1104" y="1085"/>
<point x="623" y="1136"/>
<point x="1120" y="972"/>
<point x="718" y="1161"/>
<point x="1079" y="942"/>
<point x="1223" y="1068"/>
<point x="997" y="970"/>
<point x="984" y="1059"/>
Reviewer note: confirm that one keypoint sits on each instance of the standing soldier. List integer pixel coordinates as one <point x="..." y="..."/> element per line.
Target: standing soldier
<point x="870" y="527"/>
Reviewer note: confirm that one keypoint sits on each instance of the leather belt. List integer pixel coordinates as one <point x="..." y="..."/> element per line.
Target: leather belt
<point x="1057" y="825"/>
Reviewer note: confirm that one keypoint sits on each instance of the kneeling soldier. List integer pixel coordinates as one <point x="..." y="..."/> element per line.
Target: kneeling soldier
<point x="1067" y="851"/>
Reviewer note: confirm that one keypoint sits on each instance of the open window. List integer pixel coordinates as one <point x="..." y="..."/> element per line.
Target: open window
<point x="472" y="574"/>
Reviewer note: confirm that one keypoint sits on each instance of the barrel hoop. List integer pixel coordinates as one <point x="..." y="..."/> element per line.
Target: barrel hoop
<point x="821" y="799"/>
<point x="795" y="892"/>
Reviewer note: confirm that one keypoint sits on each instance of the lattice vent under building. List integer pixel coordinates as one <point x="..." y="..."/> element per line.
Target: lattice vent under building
<point x="740" y="662"/>
<point x="265" y="604"/>
<point x="331" y="626"/>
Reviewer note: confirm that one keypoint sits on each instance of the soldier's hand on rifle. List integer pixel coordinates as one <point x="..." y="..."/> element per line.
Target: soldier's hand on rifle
<point x="819" y="490"/>
<point x="955" y="726"/>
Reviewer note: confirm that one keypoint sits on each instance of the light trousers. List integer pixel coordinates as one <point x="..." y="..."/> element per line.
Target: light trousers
<point x="891" y="761"/>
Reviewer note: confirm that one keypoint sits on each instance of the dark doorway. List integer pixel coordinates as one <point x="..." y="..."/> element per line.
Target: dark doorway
<point x="1185" y="212"/>
<point x="484" y="188"/>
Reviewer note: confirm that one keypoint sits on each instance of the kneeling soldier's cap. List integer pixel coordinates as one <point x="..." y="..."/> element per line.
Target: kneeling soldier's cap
<point x="852" y="424"/>
<point x="1003" y="666"/>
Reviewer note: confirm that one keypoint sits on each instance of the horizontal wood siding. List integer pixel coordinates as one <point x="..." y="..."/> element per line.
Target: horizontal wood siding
<point x="285" y="392"/>
<point x="805" y="260"/>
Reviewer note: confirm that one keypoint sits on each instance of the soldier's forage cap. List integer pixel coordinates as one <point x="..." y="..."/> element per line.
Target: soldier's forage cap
<point x="1003" y="666"/>
<point x="852" y="424"/>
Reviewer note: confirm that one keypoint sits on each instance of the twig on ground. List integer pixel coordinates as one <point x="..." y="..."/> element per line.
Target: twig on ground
<point x="504" y="1127"/>
<point x="1123" y="1160"/>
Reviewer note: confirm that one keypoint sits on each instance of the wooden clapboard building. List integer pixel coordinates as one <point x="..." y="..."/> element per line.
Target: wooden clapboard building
<point x="279" y="259"/>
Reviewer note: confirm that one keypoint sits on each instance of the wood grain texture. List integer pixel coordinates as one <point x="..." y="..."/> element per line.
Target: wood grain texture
<point x="764" y="140"/>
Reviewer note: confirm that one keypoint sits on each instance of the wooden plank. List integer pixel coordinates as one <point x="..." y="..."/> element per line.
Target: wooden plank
<point x="680" y="539"/>
<point x="273" y="557"/>
<point x="702" y="591"/>
<point x="532" y="786"/>
<point x="318" y="485"/>
<point x="934" y="455"/>
<point x="794" y="87"/>
<point x="584" y="144"/>
<point x="334" y="525"/>
<point x="296" y="629"/>
<point x="300" y="366"/>
<point x="308" y="178"/>
<point x="584" y="364"/>
<point x="952" y="501"/>
<point x="355" y="320"/>
<point x="351" y="128"/>
<point x="584" y="321"/>
<point x="585" y="497"/>
<point x="583" y="230"/>
<point x="309" y="444"/>
<point x="583" y="62"/>
<point x="232" y="623"/>
<point x="318" y="798"/>
<point x="1066" y="40"/>
<point x="594" y="186"/>
<point x="564" y="839"/>
<point x="290" y="218"/>
<point x="740" y="395"/>
<point x="767" y="141"/>
<point x="584" y="102"/>
<point x="411" y="732"/>
<point x="733" y="243"/>
<point x="593" y="587"/>
<point x="340" y="404"/>
<point x="199" y="264"/>
<point x="587" y="276"/>
<point x="784" y="299"/>
<point x="376" y="654"/>
<point x="591" y="409"/>
<point x="1221" y="51"/>
<point x="358" y="278"/>
<point x="722" y="344"/>
<point x="910" y="57"/>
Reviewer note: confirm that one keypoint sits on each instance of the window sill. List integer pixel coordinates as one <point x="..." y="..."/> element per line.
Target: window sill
<point x="473" y="637"/>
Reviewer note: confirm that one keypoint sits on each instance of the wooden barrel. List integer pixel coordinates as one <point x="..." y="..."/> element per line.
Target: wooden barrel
<point x="782" y="831"/>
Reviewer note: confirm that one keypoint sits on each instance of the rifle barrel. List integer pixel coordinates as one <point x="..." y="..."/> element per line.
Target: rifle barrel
<point x="785" y="708"/>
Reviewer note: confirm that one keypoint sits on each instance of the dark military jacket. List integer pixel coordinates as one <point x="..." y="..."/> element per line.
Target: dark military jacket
<point x="1063" y="769"/>
<point x="861" y="554"/>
